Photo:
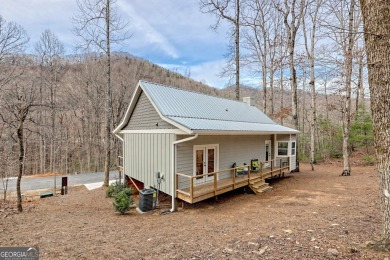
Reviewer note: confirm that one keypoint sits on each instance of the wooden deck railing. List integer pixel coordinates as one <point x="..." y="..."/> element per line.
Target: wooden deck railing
<point x="225" y="180"/>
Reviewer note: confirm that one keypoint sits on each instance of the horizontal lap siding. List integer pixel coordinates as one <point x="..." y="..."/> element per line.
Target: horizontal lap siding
<point x="282" y="138"/>
<point x="238" y="149"/>
<point x="146" y="154"/>
<point x="145" y="117"/>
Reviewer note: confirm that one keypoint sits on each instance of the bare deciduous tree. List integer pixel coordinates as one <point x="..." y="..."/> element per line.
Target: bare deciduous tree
<point x="293" y="12"/>
<point x="50" y="51"/>
<point x="98" y="25"/>
<point x="311" y="39"/>
<point x="223" y="10"/>
<point x="13" y="39"/>
<point x="18" y="103"/>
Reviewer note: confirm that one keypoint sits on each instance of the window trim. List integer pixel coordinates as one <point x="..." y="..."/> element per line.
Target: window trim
<point x="291" y="148"/>
<point x="216" y="160"/>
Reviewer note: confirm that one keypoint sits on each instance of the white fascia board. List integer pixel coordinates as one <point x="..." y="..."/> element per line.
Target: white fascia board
<point x="154" y="131"/>
<point x="211" y="132"/>
<point x="130" y="108"/>
<point x="166" y="119"/>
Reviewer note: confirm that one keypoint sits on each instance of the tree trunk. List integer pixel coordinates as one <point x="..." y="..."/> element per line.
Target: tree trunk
<point x="20" y="166"/>
<point x="281" y="93"/>
<point x="264" y="78"/>
<point x="264" y="69"/>
<point x="294" y="86"/>
<point x="107" y="147"/>
<point x="348" y="80"/>
<point x="376" y="18"/>
<point x="271" y="88"/>
<point x="360" y="88"/>
<point x="237" y="56"/>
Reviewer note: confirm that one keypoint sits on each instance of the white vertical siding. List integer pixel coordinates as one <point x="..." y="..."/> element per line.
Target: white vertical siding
<point x="145" y="154"/>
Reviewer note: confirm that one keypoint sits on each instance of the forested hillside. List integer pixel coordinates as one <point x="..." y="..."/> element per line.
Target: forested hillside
<point x="65" y="119"/>
<point x="64" y="109"/>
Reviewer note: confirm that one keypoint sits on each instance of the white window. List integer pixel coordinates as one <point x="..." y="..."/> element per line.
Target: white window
<point x="292" y="148"/>
<point x="282" y="148"/>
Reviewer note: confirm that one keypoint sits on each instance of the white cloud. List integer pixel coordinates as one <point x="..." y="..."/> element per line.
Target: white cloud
<point x="170" y="32"/>
<point x="207" y="72"/>
<point x="144" y="34"/>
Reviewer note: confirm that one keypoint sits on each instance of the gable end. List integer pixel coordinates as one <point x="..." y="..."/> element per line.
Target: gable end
<point x="145" y="117"/>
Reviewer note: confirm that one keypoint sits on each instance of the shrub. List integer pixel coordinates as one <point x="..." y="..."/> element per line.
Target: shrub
<point x="368" y="160"/>
<point x="122" y="201"/>
<point x="114" y="189"/>
<point x="335" y="153"/>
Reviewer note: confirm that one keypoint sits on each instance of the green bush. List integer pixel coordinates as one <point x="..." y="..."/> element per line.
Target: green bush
<point x="114" y="189"/>
<point x="123" y="201"/>
<point x="335" y="153"/>
<point x="368" y="160"/>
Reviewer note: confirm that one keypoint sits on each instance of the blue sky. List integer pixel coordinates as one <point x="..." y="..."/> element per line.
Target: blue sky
<point x="173" y="34"/>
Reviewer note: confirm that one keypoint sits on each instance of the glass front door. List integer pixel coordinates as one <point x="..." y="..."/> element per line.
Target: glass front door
<point x="205" y="162"/>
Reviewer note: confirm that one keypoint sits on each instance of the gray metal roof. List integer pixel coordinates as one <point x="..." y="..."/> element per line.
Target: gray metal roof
<point x="198" y="111"/>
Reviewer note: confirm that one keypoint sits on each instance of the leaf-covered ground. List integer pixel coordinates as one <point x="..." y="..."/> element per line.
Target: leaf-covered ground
<point x="307" y="215"/>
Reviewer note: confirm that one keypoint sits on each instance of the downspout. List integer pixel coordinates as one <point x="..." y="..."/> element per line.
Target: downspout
<point x="173" y="161"/>
<point x="119" y="137"/>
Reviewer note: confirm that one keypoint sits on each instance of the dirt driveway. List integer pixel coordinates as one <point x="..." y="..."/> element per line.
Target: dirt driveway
<point x="308" y="215"/>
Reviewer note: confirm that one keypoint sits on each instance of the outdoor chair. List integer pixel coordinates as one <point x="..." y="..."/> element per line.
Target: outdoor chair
<point x="241" y="170"/>
<point x="255" y="166"/>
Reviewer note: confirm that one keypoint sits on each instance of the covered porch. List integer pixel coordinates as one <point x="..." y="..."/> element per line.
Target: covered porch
<point x="226" y="180"/>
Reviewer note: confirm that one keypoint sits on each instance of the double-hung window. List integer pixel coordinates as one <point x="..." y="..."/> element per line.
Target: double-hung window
<point x="282" y="148"/>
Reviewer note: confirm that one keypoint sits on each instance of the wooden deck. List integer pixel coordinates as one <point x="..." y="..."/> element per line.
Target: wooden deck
<point x="198" y="192"/>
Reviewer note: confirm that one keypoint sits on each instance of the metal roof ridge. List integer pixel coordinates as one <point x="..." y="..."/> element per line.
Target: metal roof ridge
<point x="274" y="123"/>
<point x="193" y="91"/>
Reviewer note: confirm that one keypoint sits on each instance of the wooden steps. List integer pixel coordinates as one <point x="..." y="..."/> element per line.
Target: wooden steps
<point x="259" y="186"/>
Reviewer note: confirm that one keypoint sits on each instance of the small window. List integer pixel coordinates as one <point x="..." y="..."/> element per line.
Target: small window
<point x="282" y="148"/>
<point x="292" y="148"/>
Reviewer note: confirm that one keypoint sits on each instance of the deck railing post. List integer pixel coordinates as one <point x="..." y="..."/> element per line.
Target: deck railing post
<point x="234" y="178"/>
<point x="280" y="166"/>
<point x="272" y="165"/>
<point x="192" y="187"/>
<point x="289" y="161"/>
<point x="249" y="173"/>
<point x="261" y="169"/>
<point x="176" y="184"/>
<point x="215" y="184"/>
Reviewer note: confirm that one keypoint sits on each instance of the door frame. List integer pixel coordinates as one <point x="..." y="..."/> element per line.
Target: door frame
<point x="205" y="179"/>
<point x="269" y="142"/>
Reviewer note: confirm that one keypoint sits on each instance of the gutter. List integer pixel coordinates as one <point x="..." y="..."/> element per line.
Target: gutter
<point x="173" y="161"/>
